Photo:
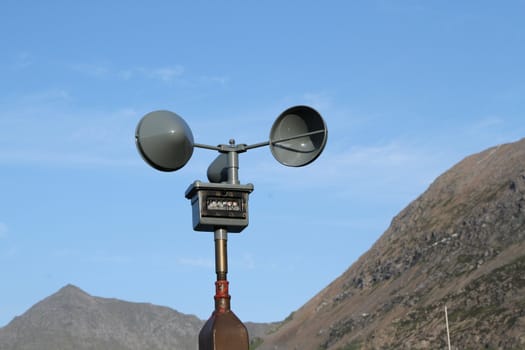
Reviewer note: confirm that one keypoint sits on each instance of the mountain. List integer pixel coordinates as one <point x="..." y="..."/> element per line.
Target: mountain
<point x="459" y="245"/>
<point x="72" y="319"/>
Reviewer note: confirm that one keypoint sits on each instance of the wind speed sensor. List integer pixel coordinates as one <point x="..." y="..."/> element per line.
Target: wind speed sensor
<point x="165" y="142"/>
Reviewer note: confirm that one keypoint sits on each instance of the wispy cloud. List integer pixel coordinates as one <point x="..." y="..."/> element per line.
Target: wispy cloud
<point x="65" y="158"/>
<point x="92" y="69"/>
<point x="96" y="257"/>
<point x="108" y="71"/>
<point x="165" y="73"/>
<point x="248" y="261"/>
<point x="197" y="262"/>
<point x="320" y="100"/>
<point x="488" y="122"/>
<point x="102" y="257"/>
<point x="38" y="99"/>
<point x="45" y="129"/>
<point x="221" y="80"/>
<point x="9" y="253"/>
<point x="486" y="126"/>
<point x="22" y="60"/>
<point x="3" y="230"/>
<point x="359" y="162"/>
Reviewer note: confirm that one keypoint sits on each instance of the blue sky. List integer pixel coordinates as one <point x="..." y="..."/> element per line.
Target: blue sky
<point x="407" y="89"/>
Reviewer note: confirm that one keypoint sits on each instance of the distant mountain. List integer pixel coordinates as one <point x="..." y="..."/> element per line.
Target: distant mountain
<point x="461" y="245"/>
<point x="72" y="319"/>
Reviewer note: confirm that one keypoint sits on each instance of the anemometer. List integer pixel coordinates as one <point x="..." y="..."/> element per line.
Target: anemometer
<point x="165" y="142"/>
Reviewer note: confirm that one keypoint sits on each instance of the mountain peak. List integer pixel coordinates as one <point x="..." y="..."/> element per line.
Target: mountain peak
<point x="71" y="289"/>
<point x="65" y="298"/>
<point x="73" y="319"/>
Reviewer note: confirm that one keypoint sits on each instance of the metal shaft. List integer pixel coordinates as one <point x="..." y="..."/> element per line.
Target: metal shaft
<point x="233" y="165"/>
<point x="221" y="254"/>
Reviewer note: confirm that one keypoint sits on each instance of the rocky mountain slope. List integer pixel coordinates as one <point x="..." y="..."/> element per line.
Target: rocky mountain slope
<point x="73" y="319"/>
<point x="461" y="245"/>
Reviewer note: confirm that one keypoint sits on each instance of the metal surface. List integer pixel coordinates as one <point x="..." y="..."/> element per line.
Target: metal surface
<point x="233" y="165"/>
<point x="209" y="219"/>
<point x="164" y="140"/>
<point x="221" y="254"/>
<point x="218" y="169"/>
<point x="225" y="168"/>
<point x="298" y="136"/>
<point x="223" y="331"/>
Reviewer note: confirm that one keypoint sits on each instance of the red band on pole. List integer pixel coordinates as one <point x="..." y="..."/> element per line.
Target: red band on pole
<point x="221" y="289"/>
<point x="222" y="296"/>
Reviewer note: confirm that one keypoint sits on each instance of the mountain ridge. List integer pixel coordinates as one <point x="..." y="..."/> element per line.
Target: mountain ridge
<point x="448" y="247"/>
<point x="73" y="319"/>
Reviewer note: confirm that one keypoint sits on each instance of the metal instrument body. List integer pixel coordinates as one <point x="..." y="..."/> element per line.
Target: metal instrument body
<point x="219" y="205"/>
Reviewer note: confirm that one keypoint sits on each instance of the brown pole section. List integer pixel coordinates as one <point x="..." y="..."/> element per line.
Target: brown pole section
<point x="223" y="330"/>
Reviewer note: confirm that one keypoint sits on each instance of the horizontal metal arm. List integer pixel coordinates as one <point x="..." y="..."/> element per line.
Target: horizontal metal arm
<point x="256" y="145"/>
<point x="267" y="143"/>
<point x="200" y="145"/>
<point x="243" y="148"/>
<point x="298" y="136"/>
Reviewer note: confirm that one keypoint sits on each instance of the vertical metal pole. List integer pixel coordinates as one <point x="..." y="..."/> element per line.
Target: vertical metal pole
<point x="233" y="165"/>
<point x="222" y="296"/>
<point x="221" y="253"/>
<point x="448" y="331"/>
<point x="224" y="330"/>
